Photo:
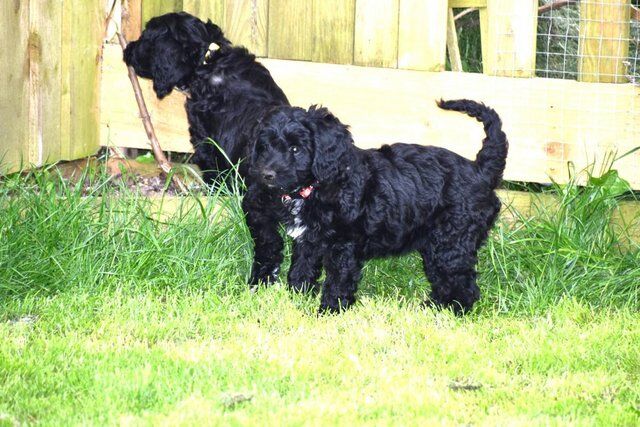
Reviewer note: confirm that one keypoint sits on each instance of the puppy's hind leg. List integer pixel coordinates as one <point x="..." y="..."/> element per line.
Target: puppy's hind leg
<point x="450" y="267"/>
<point x="306" y="266"/>
<point x="344" y="270"/>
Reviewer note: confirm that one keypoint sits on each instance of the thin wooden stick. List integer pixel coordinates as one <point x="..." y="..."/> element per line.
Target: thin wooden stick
<point x="164" y="164"/>
<point x="452" y="43"/>
<point x="464" y="12"/>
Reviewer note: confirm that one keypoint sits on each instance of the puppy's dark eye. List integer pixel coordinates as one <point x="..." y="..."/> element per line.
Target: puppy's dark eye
<point x="294" y="149"/>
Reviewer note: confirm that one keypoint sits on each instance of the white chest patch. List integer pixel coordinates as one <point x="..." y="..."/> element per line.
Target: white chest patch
<point x="216" y="79"/>
<point x="297" y="229"/>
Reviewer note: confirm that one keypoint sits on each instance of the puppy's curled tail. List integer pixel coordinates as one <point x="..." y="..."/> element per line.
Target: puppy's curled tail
<point x="492" y="157"/>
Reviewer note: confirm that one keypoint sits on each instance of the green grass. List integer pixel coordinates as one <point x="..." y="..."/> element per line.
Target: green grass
<point x="111" y="316"/>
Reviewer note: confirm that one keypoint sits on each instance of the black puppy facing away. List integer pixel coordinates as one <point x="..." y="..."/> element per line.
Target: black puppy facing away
<point x="344" y="205"/>
<point x="228" y="91"/>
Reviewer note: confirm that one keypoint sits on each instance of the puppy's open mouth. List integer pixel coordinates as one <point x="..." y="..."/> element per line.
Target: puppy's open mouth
<point x="299" y="193"/>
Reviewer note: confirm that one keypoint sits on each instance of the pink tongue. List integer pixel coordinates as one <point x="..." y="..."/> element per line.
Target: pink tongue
<point x="306" y="192"/>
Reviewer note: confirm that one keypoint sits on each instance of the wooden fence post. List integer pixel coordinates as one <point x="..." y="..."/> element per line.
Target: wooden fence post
<point x="132" y="19"/>
<point x="509" y="42"/>
<point x="604" y="40"/>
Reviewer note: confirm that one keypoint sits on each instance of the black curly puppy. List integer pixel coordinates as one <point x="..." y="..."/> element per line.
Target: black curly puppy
<point x="344" y="205"/>
<point x="228" y="91"/>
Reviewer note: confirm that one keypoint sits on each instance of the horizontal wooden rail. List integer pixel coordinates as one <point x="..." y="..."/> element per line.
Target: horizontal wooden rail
<point x="549" y="122"/>
<point x="467" y="3"/>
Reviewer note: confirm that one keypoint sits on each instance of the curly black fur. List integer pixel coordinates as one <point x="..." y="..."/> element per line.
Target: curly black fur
<point x="370" y="203"/>
<point x="228" y="92"/>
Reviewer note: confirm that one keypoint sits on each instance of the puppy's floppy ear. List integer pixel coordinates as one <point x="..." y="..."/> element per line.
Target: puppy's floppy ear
<point x="170" y="67"/>
<point x="172" y="46"/>
<point x="333" y="144"/>
<point x="216" y="35"/>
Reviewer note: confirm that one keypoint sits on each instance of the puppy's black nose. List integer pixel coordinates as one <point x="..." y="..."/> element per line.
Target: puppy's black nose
<point x="268" y="175"/>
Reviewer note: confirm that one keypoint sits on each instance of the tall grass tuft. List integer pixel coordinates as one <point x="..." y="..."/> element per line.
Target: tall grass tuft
<point x="575" y="244"/>
<point x="57" y="236"/>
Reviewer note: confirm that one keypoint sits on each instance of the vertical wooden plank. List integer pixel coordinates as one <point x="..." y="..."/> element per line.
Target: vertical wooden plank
<point x="45" y="44"/>
<point x="452" y="43"/>
<point x="14" y="86"/>
<point x="512" y="38"/>
<point x="65" y="82"/>
<point x="333" y="31"/>
<point x="85" y="21"/>
<point x="246" y="24"/>
<point x="376" y="33"/>
<point x="604" y="40"/>
<point x="206" y="9"/>
<point x="290" y="35"/>
<point x="131" y="19"/>
<point x="151" y="8"/>
<point x="484" y="39"/>
<point x="422" y="37"/>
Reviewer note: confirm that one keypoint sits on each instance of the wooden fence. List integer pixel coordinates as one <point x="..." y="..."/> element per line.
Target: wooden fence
<point x="49" y="84"/>
<point x="379" y="65"/>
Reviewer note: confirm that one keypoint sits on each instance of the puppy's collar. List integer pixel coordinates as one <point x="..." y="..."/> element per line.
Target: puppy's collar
<point x="303" y="193"/>
<point x="212" y="48"/>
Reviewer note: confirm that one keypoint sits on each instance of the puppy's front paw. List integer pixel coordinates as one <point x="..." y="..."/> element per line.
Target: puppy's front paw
<point x="325" y="310"/>
<point x="335" y="307"/>
<point x="262" y="276"/>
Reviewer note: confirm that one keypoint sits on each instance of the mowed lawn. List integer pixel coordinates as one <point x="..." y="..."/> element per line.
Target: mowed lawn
<point x="111" y="314"/>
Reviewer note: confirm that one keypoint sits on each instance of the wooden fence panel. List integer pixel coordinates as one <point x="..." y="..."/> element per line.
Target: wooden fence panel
<point x="85" y="52"/>
<point x="246" y="24"/>
<point x="290" y="22"/>
<point x="604" y="40"/>
<point x="151" y="8"/>
<point x="333" y="29"/>
<point x="50" y="91"/>
<point x="207" y="9"/>
<point x="510" y="48"/>
<point x="422" y="34"/>
<point x="14" y="86"/>
<point x="376" y="33"/>
<point x="45" y="44"/>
